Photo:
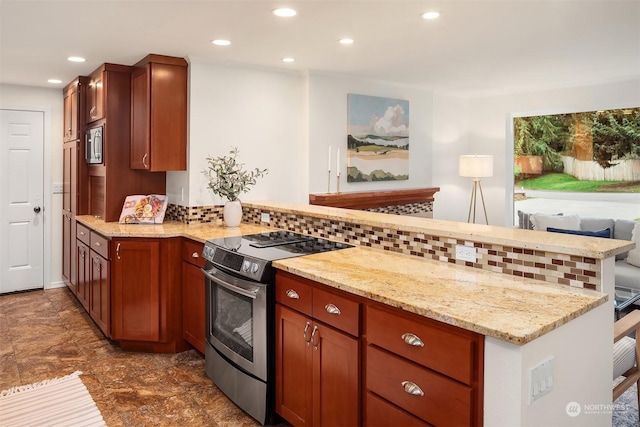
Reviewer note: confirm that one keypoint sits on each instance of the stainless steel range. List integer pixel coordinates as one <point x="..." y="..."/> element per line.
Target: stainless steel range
<point x="240" y="312"/>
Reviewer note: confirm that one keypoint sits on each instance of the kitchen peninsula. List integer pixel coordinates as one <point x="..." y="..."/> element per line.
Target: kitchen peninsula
<point x="524" y="316"/>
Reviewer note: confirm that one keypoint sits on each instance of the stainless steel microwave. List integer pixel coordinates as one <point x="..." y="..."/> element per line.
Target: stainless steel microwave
<point x="93" y="145"/>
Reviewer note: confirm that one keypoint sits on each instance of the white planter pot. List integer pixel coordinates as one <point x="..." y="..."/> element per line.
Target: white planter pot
<point x="232" y="213"/>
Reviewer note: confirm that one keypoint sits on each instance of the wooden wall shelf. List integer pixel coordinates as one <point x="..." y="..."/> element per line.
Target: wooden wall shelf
<point x="373" y="199"/>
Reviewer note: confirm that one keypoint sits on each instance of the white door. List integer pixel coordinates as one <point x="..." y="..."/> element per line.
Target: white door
<point x="21" y="200"/>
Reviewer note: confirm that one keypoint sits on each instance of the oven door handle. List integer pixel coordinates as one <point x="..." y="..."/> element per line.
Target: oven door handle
<point x="251" y="293"/>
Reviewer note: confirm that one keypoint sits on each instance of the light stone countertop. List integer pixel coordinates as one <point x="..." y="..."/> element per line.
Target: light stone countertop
<point x="527" y="239"/>
<point x="197" y="232"/>
<point x="512" y="309"/>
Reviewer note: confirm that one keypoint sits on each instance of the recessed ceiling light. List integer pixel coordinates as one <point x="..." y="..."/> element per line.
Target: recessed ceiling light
<point x="345" y="41"/>
<point x="284" y="12"/>
<point x="431" y="15"/>
<point x="288" y="59"/>
<point x="76" y="59"/>
<point x="221" y="42"/>
<point x="54" y="81"/>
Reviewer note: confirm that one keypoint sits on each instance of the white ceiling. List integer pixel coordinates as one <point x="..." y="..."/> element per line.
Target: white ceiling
<point x="475" y="45"/>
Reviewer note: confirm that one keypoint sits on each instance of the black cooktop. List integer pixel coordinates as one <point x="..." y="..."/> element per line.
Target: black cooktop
<point x="276" y="245"/>
<point x="251" y="255"/>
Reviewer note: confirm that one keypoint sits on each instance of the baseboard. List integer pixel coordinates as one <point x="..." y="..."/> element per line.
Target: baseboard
<point x="54" y="285"/>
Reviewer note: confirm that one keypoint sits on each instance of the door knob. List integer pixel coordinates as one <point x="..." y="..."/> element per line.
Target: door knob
<point x="37" y="209"/>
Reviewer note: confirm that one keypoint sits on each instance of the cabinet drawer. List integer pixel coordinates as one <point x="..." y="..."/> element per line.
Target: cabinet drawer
<point x="337" y="311"/>
<point x="294" y="293"/>
<point x="380" y="413"/>
<point x="444" y="351"/>
<point x="192" y="252"/>
<point x="82" y="233"/>
<point x="100" y="245"/>
<point x="439" y="400"/>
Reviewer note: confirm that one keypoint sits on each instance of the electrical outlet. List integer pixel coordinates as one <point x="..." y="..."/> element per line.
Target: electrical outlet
<point x="466" y="253"/>
<point x="265" y="217"/>
<point x="541" y="379"/>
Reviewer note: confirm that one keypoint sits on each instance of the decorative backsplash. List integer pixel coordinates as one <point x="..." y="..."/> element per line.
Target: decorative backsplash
<point x="557" y="268"/>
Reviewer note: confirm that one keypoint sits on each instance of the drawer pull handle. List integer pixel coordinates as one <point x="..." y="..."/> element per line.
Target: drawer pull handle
<point x="292" y="294"/>
<point x="98" y="244"/>
<point x="413" y="340"/>
<point x="332" y="309"/>
<point x="82" y="232"/>
<point x="195" y="255"/>
<point x="306" y="330"/>
<point x="118" y="251"/>
<point x="412" y="388"/>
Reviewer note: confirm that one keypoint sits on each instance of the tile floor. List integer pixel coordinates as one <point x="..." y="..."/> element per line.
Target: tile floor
<point x="47" y="334"/>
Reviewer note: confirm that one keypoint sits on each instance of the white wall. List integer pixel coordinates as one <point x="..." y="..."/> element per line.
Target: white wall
<point x="328" y="127"/>
<point x="49" y="101"/>
<point x="262" y="112"/>
<point x="478" y="125"/>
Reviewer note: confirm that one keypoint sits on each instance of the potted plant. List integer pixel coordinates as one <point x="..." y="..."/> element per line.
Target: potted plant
<point x="227" y="179"/>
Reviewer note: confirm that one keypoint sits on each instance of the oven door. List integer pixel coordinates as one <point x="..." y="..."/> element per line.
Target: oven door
<point x="237" y="320"/>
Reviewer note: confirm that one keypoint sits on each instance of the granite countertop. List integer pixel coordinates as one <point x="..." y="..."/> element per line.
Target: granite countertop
<point x="197" y="232"/>
<point x="512" y="309"/>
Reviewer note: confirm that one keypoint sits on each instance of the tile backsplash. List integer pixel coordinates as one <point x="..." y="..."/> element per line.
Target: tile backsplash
<point x="557" y="268"/>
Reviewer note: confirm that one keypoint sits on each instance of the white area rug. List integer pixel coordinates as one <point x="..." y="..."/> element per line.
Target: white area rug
<point x="57" y="402"/>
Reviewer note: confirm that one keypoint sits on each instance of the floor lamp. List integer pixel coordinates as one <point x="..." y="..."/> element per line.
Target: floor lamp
<point x="476" y="167"/>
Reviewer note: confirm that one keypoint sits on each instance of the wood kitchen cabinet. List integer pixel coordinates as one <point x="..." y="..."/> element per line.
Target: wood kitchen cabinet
<point x="109" y="105"/>
<point x="193" y="295"/>
<point x="317" y="355"/>
<point x="95" y="95"/>
<point x="420" y="372"/>
<point x="83" y="266"/>
<point x="73" y="175"/>
<point x="100" y="292"/>
<point x="69" y="272"/>
<point x="74" y="95"/>
<point x="159" y="114"/>
<point x="146" y="309"/>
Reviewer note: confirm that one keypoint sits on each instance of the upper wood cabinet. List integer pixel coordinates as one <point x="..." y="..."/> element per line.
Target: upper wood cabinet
<point x="73" y="109"/>
<point x="95" y="96"/>
<point x="159" y="114"/>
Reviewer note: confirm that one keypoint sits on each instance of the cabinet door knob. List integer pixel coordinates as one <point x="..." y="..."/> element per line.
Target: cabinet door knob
<point x="332" y="309"/>
<point x="412" y="388"/>
<point x="98" y="244"/>
<point x="292" y="294"/>
<point x="412" y="339"/>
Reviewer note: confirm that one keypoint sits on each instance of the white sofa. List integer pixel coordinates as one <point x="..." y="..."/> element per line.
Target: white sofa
<point x="626" y="274"/>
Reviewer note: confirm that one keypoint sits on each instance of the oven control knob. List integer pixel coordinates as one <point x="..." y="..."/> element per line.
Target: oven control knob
<point x="254" y="268"/>
<point x="246" y="266"/>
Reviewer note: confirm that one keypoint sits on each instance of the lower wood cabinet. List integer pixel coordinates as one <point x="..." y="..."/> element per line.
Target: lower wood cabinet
<point x="146" y="309"/>
<point x="421" y="372"/>
<point x="136" y="290"/>
<point x="83" y="268"/>
<point x="317" y="365"/>
<point x="68" y="250"/>
<point x="100" y="292"/>
<point x="193" y="295"/>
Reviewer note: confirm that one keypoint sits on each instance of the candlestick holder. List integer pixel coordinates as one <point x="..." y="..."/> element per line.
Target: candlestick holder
<point x="338" y="183"/>
<point x="329" y="183"/>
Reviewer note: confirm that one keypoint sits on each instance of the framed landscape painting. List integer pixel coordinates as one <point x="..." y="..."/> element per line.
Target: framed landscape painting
<point x="378" y="139"/>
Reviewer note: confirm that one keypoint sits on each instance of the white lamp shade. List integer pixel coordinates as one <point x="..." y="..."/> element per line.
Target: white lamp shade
<point x="475" y="166"/>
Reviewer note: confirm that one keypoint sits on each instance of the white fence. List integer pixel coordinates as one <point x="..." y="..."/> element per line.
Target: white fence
<point x="624" y="170"/>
